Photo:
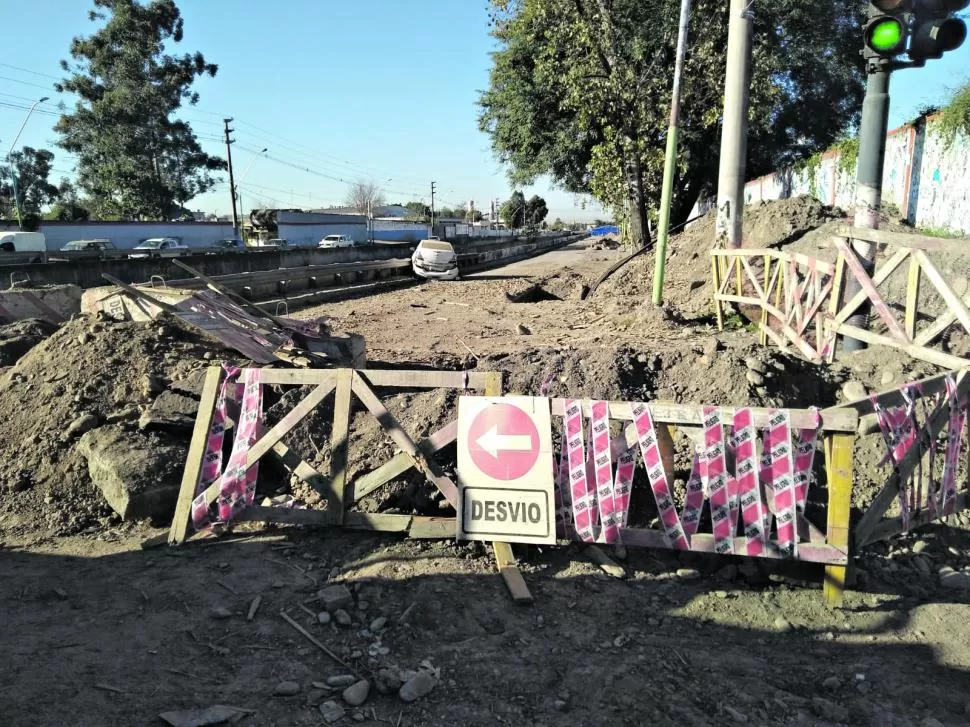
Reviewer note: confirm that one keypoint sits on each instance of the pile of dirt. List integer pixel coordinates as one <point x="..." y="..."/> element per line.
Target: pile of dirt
<point x="19" y="337"/>
<point x="90" y="374"/>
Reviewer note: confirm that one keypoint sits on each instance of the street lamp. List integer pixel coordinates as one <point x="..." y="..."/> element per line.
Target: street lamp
<point x="13" y="173"/>
<point x="241" y="180"/>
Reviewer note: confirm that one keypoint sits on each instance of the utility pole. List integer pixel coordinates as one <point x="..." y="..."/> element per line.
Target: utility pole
<point x="13" y="172"/>
<point x="433" y="186"/>
<point x="670" y="161"/>
<point x="734" y="133"/>
<point x="232" y="181"/>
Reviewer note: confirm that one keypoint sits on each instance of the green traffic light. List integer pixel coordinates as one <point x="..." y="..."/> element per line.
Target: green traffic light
<point x="886" y="35"/>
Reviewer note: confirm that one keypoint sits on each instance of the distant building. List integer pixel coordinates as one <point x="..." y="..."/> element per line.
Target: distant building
<point x="384" y="212"/>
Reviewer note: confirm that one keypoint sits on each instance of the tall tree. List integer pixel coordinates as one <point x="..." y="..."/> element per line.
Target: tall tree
<point x="365" y="197"/>
<point x="580" y="90"/>
<point x="28" y="172"/>
<point x="135" y="158"/>
<point x="512" y="212"/>
<point x="536" y="210"/>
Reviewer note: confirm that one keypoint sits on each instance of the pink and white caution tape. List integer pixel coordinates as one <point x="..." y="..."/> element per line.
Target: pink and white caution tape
<point x="898" y="427"/>
<point x="714" y="467"/>
<point x="778" y="472"/>
<point x="753" y="512"/>
<point x="650" y="450"/>
<point x="626" y="465"/>
<point x="582" y="496"/>
<point x="804" y="461"/>
<point x="603" y="471"/>
<point x="212" y="459"/>
<point x="958" y="415"/>
<point x="694" y="501"/>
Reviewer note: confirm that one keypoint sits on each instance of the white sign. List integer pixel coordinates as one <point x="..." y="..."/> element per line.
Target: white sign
<point x="505" y="469"/>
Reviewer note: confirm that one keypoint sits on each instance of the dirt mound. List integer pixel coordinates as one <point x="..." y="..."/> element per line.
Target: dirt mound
<point x="89" y="373"/>
<point x="19" y="337"/>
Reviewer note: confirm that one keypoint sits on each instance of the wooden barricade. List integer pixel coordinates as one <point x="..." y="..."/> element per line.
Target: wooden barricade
<point x="800" y="297"/>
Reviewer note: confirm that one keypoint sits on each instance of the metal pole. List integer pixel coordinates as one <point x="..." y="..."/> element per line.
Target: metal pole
<point x="868" y="188"/>
<point x="432" y="209"/>
<point x="670" y="161"/>
<point x="734" y="134"/>
<point x="13" y="172"/>
<point x="232" y="181"/>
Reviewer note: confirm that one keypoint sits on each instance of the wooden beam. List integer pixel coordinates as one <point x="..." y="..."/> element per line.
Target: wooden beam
<point x="893" y="526"/>
<point x="403" y="440"/>
<point x="716" y="284"/>
<point x="840" y="501"/>
<point x="507" y="568"/>
<point x="704" y="543"/>
<point x="834" y="302"/>
<point x="401" y="463"/>
<point x="232" y="295"/>
<point x="307" y="473"/>
<point x="893" y="397"/>
<point x="952" y="300"/>
<point x="193" y="461"/>
<point x="298" y="377"/>
<point x="939" y="325"/>
<point x="869" y="288"/>
<point x="946" y="360"/>
<point x="912" y="297"/>
<point x="906" y="239"/>
<point x="433" y="528"/>
<point x="340" y="445"/>
<point x="141" y="294"/>
<point x="425" y="379"/>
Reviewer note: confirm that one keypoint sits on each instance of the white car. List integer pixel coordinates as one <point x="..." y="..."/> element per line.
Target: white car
<point x="275" y="242"/>
<point x="332" y="241"/>
<point x="159" y="247"/>
<point x="435" y="259"/>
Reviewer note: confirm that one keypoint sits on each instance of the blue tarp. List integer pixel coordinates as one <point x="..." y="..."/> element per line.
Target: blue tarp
<point x="608" y="230"/>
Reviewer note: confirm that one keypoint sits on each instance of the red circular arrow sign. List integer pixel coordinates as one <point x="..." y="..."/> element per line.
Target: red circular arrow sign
<point x="503" y="442"/>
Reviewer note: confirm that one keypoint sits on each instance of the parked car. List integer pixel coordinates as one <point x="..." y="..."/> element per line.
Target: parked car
<point x="435" y="259"/>
<point x="159" y="247"/>
<point x="331" y="241"/>
<point x="86" y="245"/>
<point x="275" y="242"/>
<point x="230" y="243"/>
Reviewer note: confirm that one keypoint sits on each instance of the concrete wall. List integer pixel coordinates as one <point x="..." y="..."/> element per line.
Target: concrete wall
<point x="923" y="177"/>
<point x="400" y="230"/>
<point x="308" y="228"/>
<point x="125" y="235"/>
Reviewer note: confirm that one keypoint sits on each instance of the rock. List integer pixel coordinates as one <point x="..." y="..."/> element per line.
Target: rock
<point x="522" y="330"/>
<point x="832" y="683"/>
<point x="341" y="680"/>
<point x="923" y="566"/>
<point x="950" y="578"/>
<point x="561" y="705"/>
<point x="170" y="411"/>
<point x="754" y="378"/>
<point x="152" y="385"/>
<point x="358" y="717"/>
<point x="356" y="694"/>
<point x="220" y="613"/>
<point x="362" y="605"/>
<point x="191" y="384"/>
<point x="830" y="710"/>
<point x="83" y="337"/>
<point x="331" y="711"/>
<point x="342" y="617"/>
<point x="378" y="624"/>
<point x="782" y="625"/>
<point x="388" y="681"/>
<point x="754" y="364"/>
<point x="84" y="423"/>
<point x="712" y="346"/>
<point x="286" y="689"/>
<point x="138" y="476"/>
<point x="854" y="391"/>
<point x="335" y="597"/>
<point x="887" y="377"/>
<point x="734" y="714"/>
<point x="688" y="574"/>
<point x="920" y="545"/>
<point x="216" y="714"/>
<point x="323" y="618"/>
<point x="420" y="685"/>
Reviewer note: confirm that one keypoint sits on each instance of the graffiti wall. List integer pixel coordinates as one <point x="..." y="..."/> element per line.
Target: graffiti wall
<point x="925" y="179"/>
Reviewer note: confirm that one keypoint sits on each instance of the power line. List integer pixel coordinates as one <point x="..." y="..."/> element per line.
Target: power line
<point x="27" y="70"/>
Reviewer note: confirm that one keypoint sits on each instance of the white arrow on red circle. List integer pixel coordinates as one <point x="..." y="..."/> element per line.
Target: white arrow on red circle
<point x="493" y="442"/>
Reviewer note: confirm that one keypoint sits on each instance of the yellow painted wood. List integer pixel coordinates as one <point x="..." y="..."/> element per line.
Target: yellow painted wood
<point x="840" y="497"/>
<point x="912" y="298"/>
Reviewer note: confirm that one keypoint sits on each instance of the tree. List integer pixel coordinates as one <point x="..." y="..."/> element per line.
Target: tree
<point x="365" y="197"/>
<point x="68" y="207"/>
<point x="580" y="90"/>
<point x="134" y="158"/>
<point x="512" y="211"/>
<point x="419" y="211"/>
<point x="535" y="210"/>
<point x="28" y="172"/>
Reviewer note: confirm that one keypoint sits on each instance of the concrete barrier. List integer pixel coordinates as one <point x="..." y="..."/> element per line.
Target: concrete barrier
<point x="55" y="303"/>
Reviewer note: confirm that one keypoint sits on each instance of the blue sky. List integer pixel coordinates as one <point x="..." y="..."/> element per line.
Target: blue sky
<point x="380" y="90"/>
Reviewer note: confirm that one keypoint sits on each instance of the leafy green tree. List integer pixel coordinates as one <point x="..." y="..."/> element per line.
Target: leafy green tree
<point x="536" y="210"/>
<point x="134" y="158"/>
<point x="419" y="211"/>
<point x="28" y="171"/>
<point x="580" y="90"/>
<point x="512" y="211"/>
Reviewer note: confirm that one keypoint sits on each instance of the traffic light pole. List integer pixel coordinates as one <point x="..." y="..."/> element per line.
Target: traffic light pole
<point x="868" y="194"/>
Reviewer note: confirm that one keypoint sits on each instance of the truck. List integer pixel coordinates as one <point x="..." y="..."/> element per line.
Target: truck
<point x="24" y="242"/>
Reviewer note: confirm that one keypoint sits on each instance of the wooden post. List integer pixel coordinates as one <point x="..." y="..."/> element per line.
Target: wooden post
<point x="840" y="498"/>
<point x="716" y="282"/>
<point x="341" y="444"/>
<point x="912" y="297"/>
<point x="193" y="461"/>
<point x="762" y="336"/>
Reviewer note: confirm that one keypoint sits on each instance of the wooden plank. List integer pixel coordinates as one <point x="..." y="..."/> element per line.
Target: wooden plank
<point x="939" y="326"/>
<point x="894" y="526"/>
<point x="340" y="445"/>
<point x="403" y="440"/>
<point x="664" y="412"/>
<point x="425" y="379"/>
<point x="298" y="377"/>
<point x="762" y="338"/>
<point x="142" y="295"/>
<point x="193" y="460"/>
<point x="510" y="574"/>
<point x="753" y="278"/>
<point x="286" y="424"/>
<point x="433" y="528"/>
<point x="912" y="298"/>
<point x="894" y="397"/>
<point x="704" y="543"/>
<point x="946" y="360"/>
<point x="285" y="516"/>
<point x="306" y="472"/>
<point x="401" y="463"/>
<point x="906" y="239"/>
<point x="840" y="500"/>
<point x="904" y="470"/>
<point x="842" y="312"/>
<point x="869" y="289"/>
<point x="952" y="300"/>
<point x="716" y="284"/>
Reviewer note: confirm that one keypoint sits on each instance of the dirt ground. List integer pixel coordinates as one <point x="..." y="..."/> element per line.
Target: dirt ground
<point x="95" y="630"/>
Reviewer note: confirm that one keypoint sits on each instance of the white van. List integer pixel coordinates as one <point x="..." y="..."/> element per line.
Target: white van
<point x="23" y="242"/>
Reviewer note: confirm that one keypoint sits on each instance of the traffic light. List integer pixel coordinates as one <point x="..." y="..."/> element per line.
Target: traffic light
<point x="888" y="28"/>
<point x="935" y="31"/>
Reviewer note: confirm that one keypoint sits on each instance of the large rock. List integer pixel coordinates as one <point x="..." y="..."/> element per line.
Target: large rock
<point x="170" y="411"/>
<point x="138" y="475"/>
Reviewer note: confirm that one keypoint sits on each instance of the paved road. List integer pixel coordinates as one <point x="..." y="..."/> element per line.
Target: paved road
<point x="576" y="255"/>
